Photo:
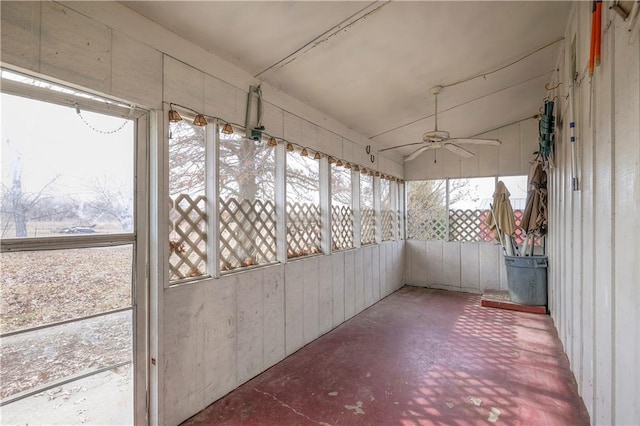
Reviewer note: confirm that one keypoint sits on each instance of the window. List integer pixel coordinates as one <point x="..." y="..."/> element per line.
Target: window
<point x="303" y="204"/>
<point x="469" y="201"/>
<point x="400" y="209"/>
<point x="246" y="179"/>
<point x="462" y="211"/>
<point x="188" y="200"/>
<point x="341" y="208"/>
<point x="427" y="210"/>
<point x="367" y="211"/>
<point x="68" y="185"/>
<point x="386" y="210"/>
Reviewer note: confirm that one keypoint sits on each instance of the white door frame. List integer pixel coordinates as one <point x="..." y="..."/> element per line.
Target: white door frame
<point x="140" y="238"/>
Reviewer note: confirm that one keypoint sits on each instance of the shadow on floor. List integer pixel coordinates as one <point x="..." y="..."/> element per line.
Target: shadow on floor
<point x="419" y="356"/>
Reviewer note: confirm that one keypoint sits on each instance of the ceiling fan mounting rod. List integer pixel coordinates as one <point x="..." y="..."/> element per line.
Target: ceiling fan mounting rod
<point x="436" y="112"/>
<point x="442" y="139"/>
<point x="435" y="91"/>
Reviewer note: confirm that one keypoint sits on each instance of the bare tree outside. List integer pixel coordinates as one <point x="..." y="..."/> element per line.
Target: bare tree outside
<point x="341" y="189"/>
<point x="246" y="168"/>
<point x="427" y="207"/>
<point x="52" y="209"/>
<point x="186" y="159"/>
<point x="111" y="202"/>
<point x="20" y="207"/>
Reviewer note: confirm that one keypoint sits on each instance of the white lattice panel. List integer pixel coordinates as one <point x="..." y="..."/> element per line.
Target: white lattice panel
<point x="247" y="233"/>
<point x="426" y="228"/>
<point x="387" y="225"/>
<point x="303" y="229"/>
<point x="400" y="226"/>
<point x="188" y="237"/>
<point x="473" y="226"/>
<point x="341" y="227"/>
<point x="466" y="225"/>
<point x="368" y="227"/>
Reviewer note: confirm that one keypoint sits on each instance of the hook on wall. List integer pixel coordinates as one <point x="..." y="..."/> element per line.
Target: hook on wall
<point x="368" y="149"/>
<point x="373" y="158"/>
<point x="546" y="86"/>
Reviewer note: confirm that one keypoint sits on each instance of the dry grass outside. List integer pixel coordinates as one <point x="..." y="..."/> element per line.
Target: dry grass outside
<point x="45" y="287"/>
<point x="42" y="287"/>
<point x="40" y="357"/>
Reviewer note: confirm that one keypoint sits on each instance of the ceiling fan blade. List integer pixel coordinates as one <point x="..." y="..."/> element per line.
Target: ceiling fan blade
<point x="419" y="151"/>
<point x="476" y="141"/>
<point x="458" y="150"/>
<point x="400" y="146"/>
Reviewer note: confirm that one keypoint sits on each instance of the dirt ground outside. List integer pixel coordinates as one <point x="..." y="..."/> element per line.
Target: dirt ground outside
<point x="45" y="287"/>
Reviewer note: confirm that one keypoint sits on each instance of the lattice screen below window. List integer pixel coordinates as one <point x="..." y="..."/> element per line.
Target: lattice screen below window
<point x="473" y="226"/>
<point x="247" y="233"/>
<point x="387" y="225"/>
<point x="426" y="228"/>
<point x="368" y="226"/>
<point x="187" y="237"/>
<point x="467" y="225"/>
<point x="303" y="229"/>
<point x="341" y="227"/>
<point x="519" y="233"/>
<point x="399" y="224"/>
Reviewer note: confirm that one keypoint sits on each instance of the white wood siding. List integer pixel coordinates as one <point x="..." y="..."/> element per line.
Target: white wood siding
<point x="222" y="332"/>
<point x="594" y="270"/>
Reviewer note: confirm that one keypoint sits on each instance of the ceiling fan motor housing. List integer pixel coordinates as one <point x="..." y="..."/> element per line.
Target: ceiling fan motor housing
<point x="436" y="136"/>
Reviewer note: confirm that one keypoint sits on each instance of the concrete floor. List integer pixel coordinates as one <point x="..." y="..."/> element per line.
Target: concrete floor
<point x="419" y="356"/>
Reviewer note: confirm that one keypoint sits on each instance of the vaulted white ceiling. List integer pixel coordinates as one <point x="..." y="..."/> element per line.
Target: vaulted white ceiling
<point x="370" y="65"/>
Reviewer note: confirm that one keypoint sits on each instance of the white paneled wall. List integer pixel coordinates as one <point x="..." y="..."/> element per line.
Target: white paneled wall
<point x="456" y="266"/>
<point x="594" y="269"/>
<point x="461" y="266"/>
<point x="214" y="334"/>
<point x="221" y="333"/>
<point x="60" y="43"/>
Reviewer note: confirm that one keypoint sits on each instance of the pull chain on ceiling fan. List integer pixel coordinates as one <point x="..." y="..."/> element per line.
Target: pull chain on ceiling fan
<point x="442" y="139"/>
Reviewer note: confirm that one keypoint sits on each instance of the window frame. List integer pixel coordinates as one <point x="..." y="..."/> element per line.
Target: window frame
<point x="352" y="175"/>
<point x="447" y="203"/>
<point x="210" y="183"/>
<point x="101" y="105"/>
<point x="322" y="219"/>
<point x="375" y="208"/>
<point x="392" y="189"/>
<point x="216" y="198"/>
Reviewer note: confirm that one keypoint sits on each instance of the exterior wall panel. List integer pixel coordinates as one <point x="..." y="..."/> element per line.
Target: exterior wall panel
<point x="594" y="269"/>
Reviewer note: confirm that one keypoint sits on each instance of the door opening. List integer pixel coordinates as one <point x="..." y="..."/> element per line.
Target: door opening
<point x="72" y="265"/>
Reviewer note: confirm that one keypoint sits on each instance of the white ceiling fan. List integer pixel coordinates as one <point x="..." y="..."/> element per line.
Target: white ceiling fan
<point x="441" y="139"/>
